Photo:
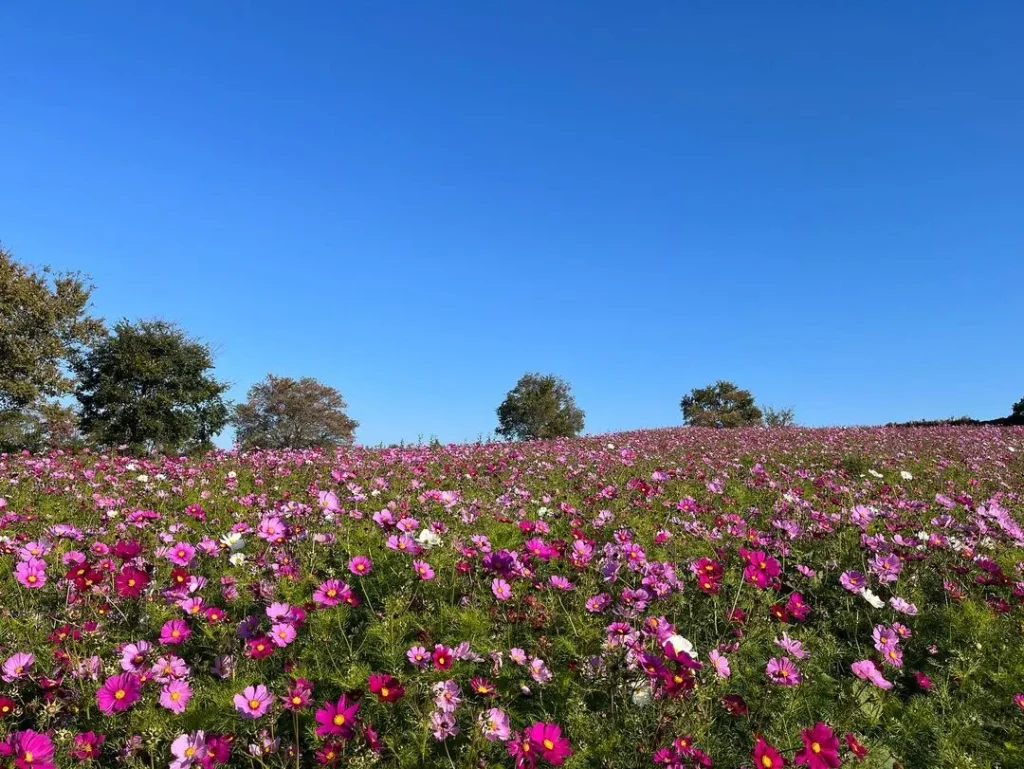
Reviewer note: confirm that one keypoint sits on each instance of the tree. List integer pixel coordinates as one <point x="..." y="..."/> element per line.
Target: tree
<point x="44" y="328"/>
<point x="147" y="386"/>
<point x="46" y="425"/>
<point x="781" y="417"/>
<point x="540" y="406"/>
<point x="281" y="412"/>
<point x="722" y="404"/>
<point x="1018" y="410"/>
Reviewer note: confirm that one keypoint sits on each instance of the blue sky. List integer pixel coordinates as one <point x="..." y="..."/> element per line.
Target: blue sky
<point x="418" y="202"/>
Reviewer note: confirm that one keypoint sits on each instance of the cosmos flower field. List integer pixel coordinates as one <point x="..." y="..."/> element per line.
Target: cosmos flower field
<point x="670" y="598"/>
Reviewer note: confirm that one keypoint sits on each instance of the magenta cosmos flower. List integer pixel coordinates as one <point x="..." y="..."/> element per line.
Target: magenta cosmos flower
<point x="821" y="748"/>
<point x="331" y="592"/>
<point x="253" y="702"/>
<point x="337" y="719"/>
<point x="118" y="693"/>
<point x="174" y="631"/>
<point x="31" y="750"/>
<point x="423" y="570"/>
<point x="547" y="740"/>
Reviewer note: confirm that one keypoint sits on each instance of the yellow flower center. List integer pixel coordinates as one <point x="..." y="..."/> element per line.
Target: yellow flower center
<point x="296" y="700"/>
<point x="332" y="592"/>
<point x="175" y="696"/>
<point x="119" y="694"/>
<point x="254" y="704"/>
<point x="339" y="719"/>
<point x="766" y="762"/>
<point x="19" y="670"/>
<point x="549" y="745"/>
<point x="440" y="660"/>
<point x="816" y="747"/>
<point x="32" y="578"/>
<point x="27" y="758"/>
<point x="131" y="583"/>
<point x="189" y="751"/>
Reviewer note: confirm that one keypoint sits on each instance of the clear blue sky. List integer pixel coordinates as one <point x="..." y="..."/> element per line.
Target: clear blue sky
<point x="417" y="202"/>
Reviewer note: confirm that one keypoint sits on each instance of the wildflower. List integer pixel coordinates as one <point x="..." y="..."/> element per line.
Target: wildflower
<point x="259" y="647"/>
<point x="337" y="719"/>
<point x="885" y="638"/>
<point x="253" y="702"/>
<point x="766" y="756"/>
<point x="442" y="657"/>
<point x="871" y="598"/>
<point x="189" y="749"/>
<point x="443" y="725"/>
<point x="175" y="696"/>
<point x="299" y="695"/>
<point x="902" y="606"/>
<point x="853" y="581"/>
<point x="181" y="554"/>
<point x="501" y="589"/>
<point x="926" y="683"/>
<point x="868" y="671"/>
<point x="17" y="665"/>
<point x="31" y="750"/>
<point x="386" y="688"/>
<point x="547" y="740"/>
<point x="86" y="746"/>
<point x="174" y="632"/>
<point x="418" y="656"/>
<point x="131" y="582"/>
<point x="761" y="568"/>
<point x="331" y="592"/>
<point x="821" y="748"/>
<point x="720" y="664"/>
<point x="360" y="565"/>
<point x="734" y="705"/>
<point x="423" y="570"/>
<point x="7" y="706"/>
<point x="31" y="573"/>
<point x="282" y="634"/>
<point x="856" y="748"/>
<point x="494" y="725"/>
<point x="118" y="693"/>
<point x="792" y="647"/>
<point x="782" y="671"/>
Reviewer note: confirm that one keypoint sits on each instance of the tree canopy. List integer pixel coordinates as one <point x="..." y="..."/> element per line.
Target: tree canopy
<point x="722" y="404"/>
<point x="540" y="406"/>
<point x="281" y="412"/>
<point x="45" y="327"/>
<point x="148" y="386"/>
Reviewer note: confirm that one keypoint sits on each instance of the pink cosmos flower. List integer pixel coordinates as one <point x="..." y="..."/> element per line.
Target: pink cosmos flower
<point x="360" y="565"/>
<point x="175" y="696"/>
<point x="868" y="671"/>
<point x="331" y="592"/>
<point x="16" y="666"/>
<point x="253" y="702"/>
<point x="189" y="749"/>
<point x="337" y="719"/>
<point x="548" y="741"/>
<point x="821" y="748"/>
<point x="782" y="671"/>
<point x="720" y="663"/>
<point x="418" y="656"/>
<point x="31" y="573"/>
<point x="175" y="631"/>
<point x="118" y="693"/>
<point x="501" y="589"/>
<point x="422" y="568"/>
<point x="31" y="750"/>
<point x="282" y="634"/>
<point x="494" y="725"/>
<point x="181" y="553"/>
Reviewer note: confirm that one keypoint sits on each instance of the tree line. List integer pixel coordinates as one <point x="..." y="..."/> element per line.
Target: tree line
<point x="148" y="386"/>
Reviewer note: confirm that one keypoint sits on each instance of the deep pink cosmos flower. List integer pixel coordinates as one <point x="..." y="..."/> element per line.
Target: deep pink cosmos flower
<point x="31" y="750"/>
<point x="337" y="719"/>
<point x="442" y="657"/>
<point x="766" y="756"/>
<point x="547" y="740"/>
<point x="331" y="592"/>
<point x="386" y="688"/>
<point x="181" y="553"/>
<point x="782" y="671"/>
<point x="86" y="746"/>
<point x="175" y="631"/>
<point x="118" y="693"/>
<point x="423" y="570"/>
<point x="253" y="702"/>
<point x="821" y="748"/>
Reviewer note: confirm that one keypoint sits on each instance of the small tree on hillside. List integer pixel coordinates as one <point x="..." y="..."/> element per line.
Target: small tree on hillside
<point x="148" y="386"/>
<point x="540" y="406"/>
<point x="1018" y="409"/>
<point x="44" y="328"/>
<point x="779" y="417"/>
<point x="281" y="412"/>
<point x="722" y="404"/>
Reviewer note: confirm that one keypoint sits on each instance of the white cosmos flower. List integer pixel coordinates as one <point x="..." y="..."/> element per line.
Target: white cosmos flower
<point x="875" y="473"/>
<point x="906" y="476"/>
<point x="237" y="559"/>
<point x="871" y="598"/>
<point x="142" y="478"/>
<point x="428" y="538"/>
<point x="642" y="693"/>
<point x="542" y="512"/>
<point x="233" y="541"/>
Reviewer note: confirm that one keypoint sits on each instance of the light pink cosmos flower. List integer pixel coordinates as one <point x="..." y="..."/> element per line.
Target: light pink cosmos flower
<point x="720" y="663"/>
<point x="175" y="696"/>
<point x="782" y="671"/>
<point x="282" y="634"/>
<point x="31" y="573"/>
<point x="181" y="553"/>
<point x="868" y="671"/>
<point x="501" y="589"/>
<point x="494" y="725"/>
<point x="188" y="750"/>
<point x="253" y="702"/>
<point x="360" y="565"/>
<point x="16" y="666"/>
